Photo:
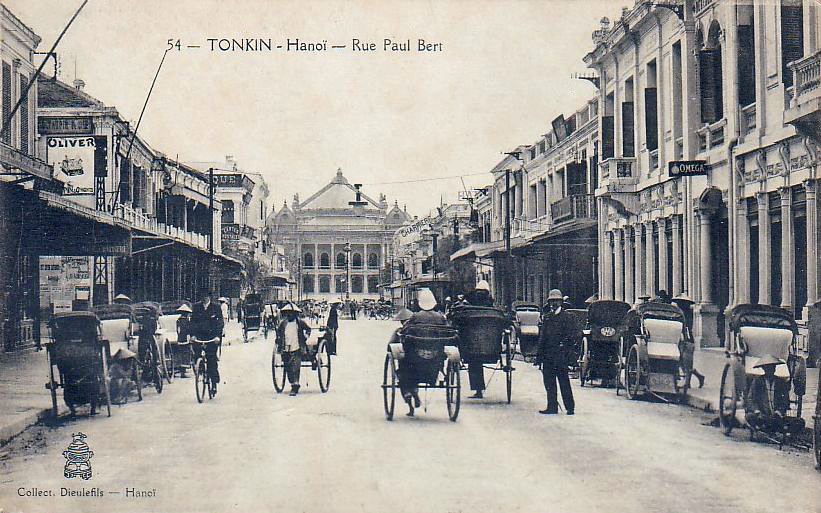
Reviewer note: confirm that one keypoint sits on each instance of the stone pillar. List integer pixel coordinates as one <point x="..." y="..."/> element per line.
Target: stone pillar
<point x="638" y="267"/>
<point x="619" y="267"/>
<point x="607" y="268"/>
<point x="677" y="263"/>
<point x="764" y="254"/>
<point x="706" y="312"/>
<point x="742" y="251"/>
<point x="664" y="283"/>
<point x="811" y="187"/>
<point x="629" y="266"/>
<point x="650" y="264"/>
<point x="787" y="253"/>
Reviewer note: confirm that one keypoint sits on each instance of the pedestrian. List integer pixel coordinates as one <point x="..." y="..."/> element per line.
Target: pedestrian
<point x="207" y="324"/>
<point x="480" y="296"/>
<point x="555" y="343"/>
<point x="224" y="309"/>
<point x="353" y="308"/>
<point x="332" y="325"/>
<point x="121" y="299"/>
<point x="292" y="340"/>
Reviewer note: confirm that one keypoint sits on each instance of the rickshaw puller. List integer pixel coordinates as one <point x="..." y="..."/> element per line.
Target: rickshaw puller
<point x="480" y="296"/>
<point x="292" y="339"/>
<point x="206" y="324"/>
<point x="555" y="338"/>
<point x="427" y="316"/>
<point x="770" y="398"/>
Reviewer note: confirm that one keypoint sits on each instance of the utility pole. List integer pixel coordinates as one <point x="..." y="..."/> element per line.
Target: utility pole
<point x="508" y="251"/>
<point x="210" y="228"/>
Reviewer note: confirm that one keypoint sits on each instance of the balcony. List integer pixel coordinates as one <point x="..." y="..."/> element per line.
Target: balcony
<point x="805" y="106"/>
<point x="578" y="206"/>
<point x="620" y="171"/>
<point x="748" y="122"/>
<point x="711" y="136"/>
<point x="618" y="184"/>
<point x="139" y="220"/>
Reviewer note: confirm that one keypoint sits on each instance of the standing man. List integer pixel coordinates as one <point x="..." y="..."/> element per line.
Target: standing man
<point x="555" y="340"/>
<point x="476" y="371"/>
<point x="333" y="325"/>
<point x="292" y="338"/>
<point x="206" y="324"/>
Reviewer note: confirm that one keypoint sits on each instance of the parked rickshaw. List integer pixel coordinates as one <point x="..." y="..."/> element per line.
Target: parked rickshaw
<point x="251" y="314"/>
<point x="429" y="356"/>
<point x="177" y="350"/>
<point x="149" y="350"/>
<point x="578" y="318"/>
<point x="81" y="355"/>
<point x="601" y="339"/>
<point x="528" y="317"/>
<point x="269" y="320"/>
<point x="652" y="349"/>
<point x="486" y="337"/>
<point x="317" y="357"/>
<point x="119" y="327"/>
<point x="764" y="377"/>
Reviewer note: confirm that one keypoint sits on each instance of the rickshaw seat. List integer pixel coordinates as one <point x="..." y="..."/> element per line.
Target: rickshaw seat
<point x="663" y="351"/>
<point x="763" y="341"/>
<point x="664" y="338"/>
<point x="115" y="330"/>
<point x="169" y="322"/>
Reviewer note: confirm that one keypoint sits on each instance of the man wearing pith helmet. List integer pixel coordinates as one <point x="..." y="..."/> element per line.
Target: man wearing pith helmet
<point x="555" y="343"/>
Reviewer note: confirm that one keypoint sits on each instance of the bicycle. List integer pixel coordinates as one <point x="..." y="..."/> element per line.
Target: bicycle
<point x="202" y="381"/>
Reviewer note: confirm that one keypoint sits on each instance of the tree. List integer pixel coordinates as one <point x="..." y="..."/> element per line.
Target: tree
<point x="462" y="273"/>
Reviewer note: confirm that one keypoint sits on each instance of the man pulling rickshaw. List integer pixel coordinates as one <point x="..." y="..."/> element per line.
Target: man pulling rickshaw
<point x="292" y="339"/>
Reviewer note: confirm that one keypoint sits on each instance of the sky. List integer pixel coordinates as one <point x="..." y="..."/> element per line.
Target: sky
<point x="397" y="122"/>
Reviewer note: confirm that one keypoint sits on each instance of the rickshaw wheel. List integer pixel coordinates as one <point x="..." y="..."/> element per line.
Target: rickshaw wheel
<point x="727" y="400"/>
<point x="168" y="362"/>
<point x="632" y="376"/>
<point x="277" y="371"/>
<point x="52" y="384"/>
<point x="323" y="367"/>
<point x="389" y="384"/>
<point x="244" y="333"/>
<point x="454" y="391"/>
<point x="106" y="380"/>
<point x="508" y="364"/>
<point x="584" y="362"/>
<point x="155" y="364"/>
<point x="816" y="443"/>
<point x="138" y="379"/>
<point x="200" y="379"/>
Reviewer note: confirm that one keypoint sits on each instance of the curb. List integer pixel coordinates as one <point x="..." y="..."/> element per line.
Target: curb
<point x="699" y="403"/>
<point x="9" y="431"/>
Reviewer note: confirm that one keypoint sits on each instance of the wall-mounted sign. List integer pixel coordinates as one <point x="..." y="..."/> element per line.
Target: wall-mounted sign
<point x="232" y="180"/>
<point x="687" y="168"/>
<point x="65" y="125"/>
<point x="73" y="161"/>
<point x="230" y="231"/>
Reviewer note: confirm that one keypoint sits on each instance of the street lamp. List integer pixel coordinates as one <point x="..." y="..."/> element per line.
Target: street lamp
<point x="347" y="270"/>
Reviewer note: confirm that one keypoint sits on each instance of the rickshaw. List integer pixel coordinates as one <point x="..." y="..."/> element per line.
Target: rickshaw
<point x="765" y="335"/>
<point x="429" y="357"/>
<point x="317" y="357"/>
<point x="578" y="318"/>
<point x="601" y="341"/>
<point x="251" y="314"/>
<point x="528" y="317"/>
<point x="81" y="355"/>
<point x="149" y="350"/>
<point x="177" y="350"/>
<point x="269" y="322"/>
<point x="486" y="338"/>
<point x="119" y="326"/>
<point x="652" y="349"/>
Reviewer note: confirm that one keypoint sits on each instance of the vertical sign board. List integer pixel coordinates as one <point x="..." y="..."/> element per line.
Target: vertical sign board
<point x="75" y="159"/>
<point x="63" y="280"/>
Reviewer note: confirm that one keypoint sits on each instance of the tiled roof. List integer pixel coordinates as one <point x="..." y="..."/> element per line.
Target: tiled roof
<point x="56" y="94"/>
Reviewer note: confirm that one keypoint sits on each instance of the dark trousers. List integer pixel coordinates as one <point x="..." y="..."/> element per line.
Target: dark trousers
<point x="476" y="376"/>
<point x="210" y="358"/>
<point x="293" y="363"/>
<point x="407" y="379"/>
<point x="551" y="372"/>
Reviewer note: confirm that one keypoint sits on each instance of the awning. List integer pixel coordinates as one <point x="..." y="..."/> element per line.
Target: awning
<point x="583" y="234"/>
<point x="14" y="159"/>
<point x="486" y="249"/>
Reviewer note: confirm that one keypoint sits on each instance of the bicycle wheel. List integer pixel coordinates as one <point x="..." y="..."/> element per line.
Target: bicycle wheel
<point x="278" y="371"/>
<point x="389" y="384"/>
<point x="507" y="360"/>
<point x="453" y="391"/>
<point x="323" y="367"/>
<point x="200" y="379"/>
<point x="156" y="367"/>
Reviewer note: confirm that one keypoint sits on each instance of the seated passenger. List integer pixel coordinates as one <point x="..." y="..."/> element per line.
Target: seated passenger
<point x="770" y="400"/>
<point x="476" y="372"/>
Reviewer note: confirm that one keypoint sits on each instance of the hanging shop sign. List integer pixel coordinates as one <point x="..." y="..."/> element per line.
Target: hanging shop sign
<point x="75" y="160"/>
<point x="230" y="232"/>
<point x="678" y="168"/>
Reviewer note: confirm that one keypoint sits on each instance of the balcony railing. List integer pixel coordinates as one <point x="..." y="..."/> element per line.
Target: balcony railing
<point x="141" y="221"/>
<point x="620" y="170"/>
<point x="699" y="6"/>
<point x="654" y="159"/>
<point x="711" y="136"/>
<point x="806" y="77"/>
<point x="748" y="123"/>
<point x="578" y="206"/>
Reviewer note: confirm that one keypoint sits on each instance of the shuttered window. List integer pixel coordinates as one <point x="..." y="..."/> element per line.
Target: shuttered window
<point x="6" y="100"/>
<point x="746" y="65"/>
<point x="792" y="37"/>
<point x="651" y="118"/>
<point x="125" y="181"/>
<point x="710" y="80"/>
<point x="628" y="124"/>
<point x="607" y="137"/>
<point x="24" y="117"/>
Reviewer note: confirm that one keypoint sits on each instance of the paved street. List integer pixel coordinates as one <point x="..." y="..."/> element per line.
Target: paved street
<point x="250" y="449"/>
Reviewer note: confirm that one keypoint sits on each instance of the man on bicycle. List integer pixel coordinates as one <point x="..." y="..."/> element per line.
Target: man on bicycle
<point x="206" y="324"/>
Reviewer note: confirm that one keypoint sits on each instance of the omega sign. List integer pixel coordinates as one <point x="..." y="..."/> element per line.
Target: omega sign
<point x="687" y="168"/>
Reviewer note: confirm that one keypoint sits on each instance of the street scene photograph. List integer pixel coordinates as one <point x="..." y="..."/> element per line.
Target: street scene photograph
<point x="410" y="256"/>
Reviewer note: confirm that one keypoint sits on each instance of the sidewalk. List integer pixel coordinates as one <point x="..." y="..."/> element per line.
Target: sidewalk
<point x="24" y="399"/>
<point x="710" y="362"/>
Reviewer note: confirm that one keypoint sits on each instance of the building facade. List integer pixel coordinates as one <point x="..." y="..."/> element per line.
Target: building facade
<point x="728" y="86"/>
<point x="337" y="240"/>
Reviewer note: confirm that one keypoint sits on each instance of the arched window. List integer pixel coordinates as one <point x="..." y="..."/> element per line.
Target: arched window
<point x="308" y="260"/>
<point x="357" y="261"/>
<point x="325" y="260"/>
<point x="373" y="261"/>
<point x="710" y="75"/>
<point x="340" y="260"/>
<point x="308" y="284"/>
<point x="357" y="284"/>
<point x="324" y="284"/>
